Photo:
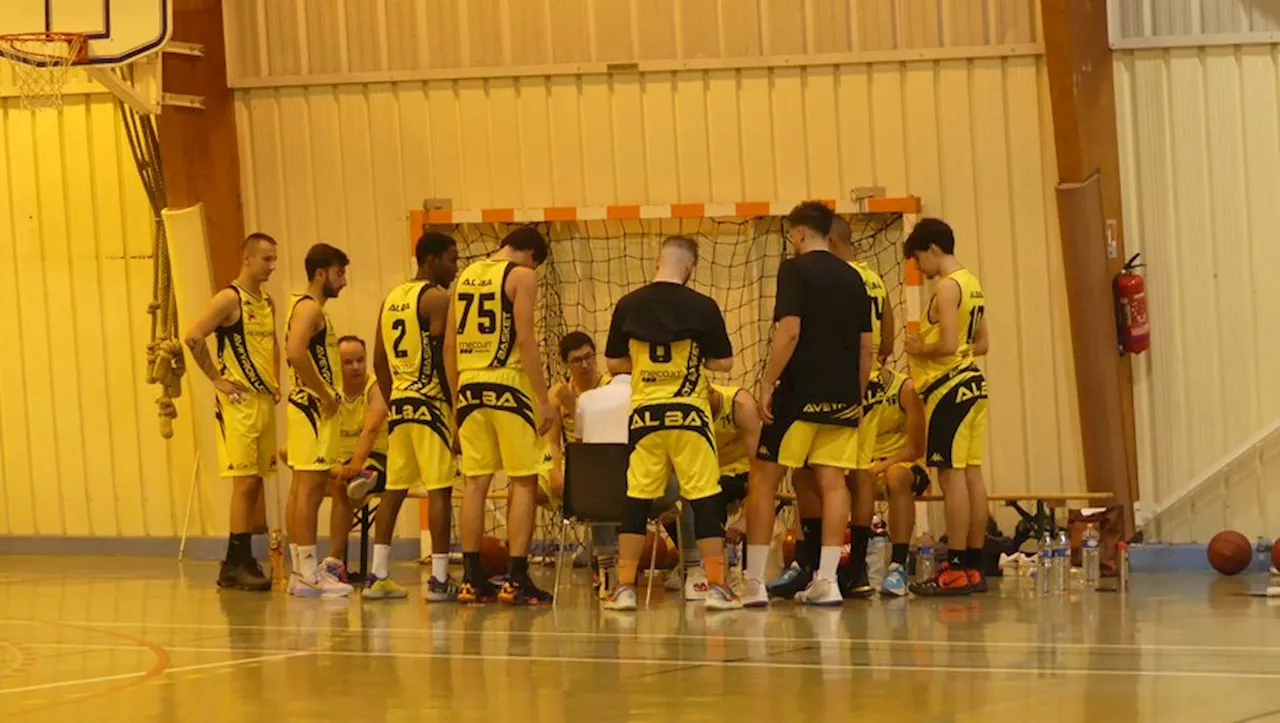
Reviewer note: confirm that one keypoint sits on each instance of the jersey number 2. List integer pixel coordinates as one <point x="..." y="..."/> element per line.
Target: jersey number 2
<point x="484" y="311"/>
<point x="399" y="326"/>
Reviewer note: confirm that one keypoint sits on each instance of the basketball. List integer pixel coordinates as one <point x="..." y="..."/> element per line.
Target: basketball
<point x="1275" y="554"/>
<point x="666" y="556"/>
<point x="1229" y="552"/>
<point x="493" y="556"/>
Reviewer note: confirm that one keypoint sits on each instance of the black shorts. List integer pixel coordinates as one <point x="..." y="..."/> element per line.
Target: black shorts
<point x="733" y="488"/>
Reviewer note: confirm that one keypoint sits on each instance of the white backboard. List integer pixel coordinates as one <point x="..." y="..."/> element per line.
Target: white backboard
<point x="118" y="31"/>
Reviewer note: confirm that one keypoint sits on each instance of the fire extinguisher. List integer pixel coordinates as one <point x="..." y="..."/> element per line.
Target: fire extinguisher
<point x="1130" y="290"/>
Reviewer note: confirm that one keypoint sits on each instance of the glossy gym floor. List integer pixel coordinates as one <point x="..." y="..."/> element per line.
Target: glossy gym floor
<point x="122" y="639"/>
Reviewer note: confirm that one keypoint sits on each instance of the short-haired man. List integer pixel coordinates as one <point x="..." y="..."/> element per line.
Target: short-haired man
<point x="246" y="387"/>
<point x="664" y="334"/>
<point x="941" y="356"/>
<point x="819" y="360"/>
<point x="314" y="436"/>
<point x="578" y="352"/>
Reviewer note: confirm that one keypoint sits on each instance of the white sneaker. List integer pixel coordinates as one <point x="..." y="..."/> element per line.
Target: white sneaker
<point x="695" y="584"/>
<point x="821" y="592"/>
<point x="1009" y="561"/>
<point x="754" y="594"/>
<point x="361" y="485"/>
<point x="623" y="598"/>
<point x="674" y="581"/>
<point x="330" y="585"/>
<point x="719" y="597"/>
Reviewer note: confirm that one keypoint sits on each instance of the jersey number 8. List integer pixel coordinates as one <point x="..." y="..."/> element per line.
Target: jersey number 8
<point x="484" y="312"/>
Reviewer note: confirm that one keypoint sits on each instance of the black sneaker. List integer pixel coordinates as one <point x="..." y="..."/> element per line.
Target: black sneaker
<point x="249" y="576"/>
<point x="524" y="593"/>
<point x="793" y="580"/>
<point x="854" y="588"/>
<point x="227" y="574"/>
<point x="480" y="592"/>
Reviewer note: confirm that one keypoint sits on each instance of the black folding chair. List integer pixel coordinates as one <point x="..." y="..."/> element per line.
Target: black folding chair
<point x="595" y="493"/>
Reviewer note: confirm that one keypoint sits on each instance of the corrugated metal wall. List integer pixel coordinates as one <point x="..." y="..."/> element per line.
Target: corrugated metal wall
<point x="971" y="137"/>
<point x="1152" y="23"/>
<point x="80" y="447"/>
<point x="271" y="40"/>
<point x="1200" y="151"/>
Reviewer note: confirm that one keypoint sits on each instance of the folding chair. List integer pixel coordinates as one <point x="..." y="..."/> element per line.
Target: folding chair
<point x="595" y="493"/>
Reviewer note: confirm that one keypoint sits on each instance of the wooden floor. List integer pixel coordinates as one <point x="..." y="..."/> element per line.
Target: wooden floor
<point x="119" y="639"/>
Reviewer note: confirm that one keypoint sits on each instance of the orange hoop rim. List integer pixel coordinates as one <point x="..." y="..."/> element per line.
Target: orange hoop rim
<point x="76" y="42"/>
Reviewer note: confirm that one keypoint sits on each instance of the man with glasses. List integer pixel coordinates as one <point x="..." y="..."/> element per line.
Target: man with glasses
<point x="578" y="352"/>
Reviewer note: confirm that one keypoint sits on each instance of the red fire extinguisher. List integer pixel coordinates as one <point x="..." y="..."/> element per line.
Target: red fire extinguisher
<point x="1130" y="289"/>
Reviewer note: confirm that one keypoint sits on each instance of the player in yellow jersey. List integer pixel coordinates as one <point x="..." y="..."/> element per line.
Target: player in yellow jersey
<point x="246" y="385"/>
<point x="899" y="463"/>
<point x="409" y="360"/>
<point x="952" y="334"/>
<point x="819" y="362"/>
<point x="578" y="352"/>
<point x="664" y="334"/>
<point x="362" y="424"/>
<point x="314" y="437"/>
<point x="493" y="360"/>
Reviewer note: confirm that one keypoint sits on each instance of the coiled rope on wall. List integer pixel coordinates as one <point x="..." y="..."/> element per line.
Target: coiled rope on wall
<point x="165" y="362"/>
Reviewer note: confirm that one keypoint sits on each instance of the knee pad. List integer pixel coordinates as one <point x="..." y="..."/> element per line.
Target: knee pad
<point x="635" y="516"/>
<point x="708" y="516"/>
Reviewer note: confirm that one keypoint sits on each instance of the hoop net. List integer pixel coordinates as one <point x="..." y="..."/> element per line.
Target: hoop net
<point x="40" y="62"/>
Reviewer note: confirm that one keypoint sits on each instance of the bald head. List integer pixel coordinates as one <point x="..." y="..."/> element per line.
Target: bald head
<point x="677" y="258"/>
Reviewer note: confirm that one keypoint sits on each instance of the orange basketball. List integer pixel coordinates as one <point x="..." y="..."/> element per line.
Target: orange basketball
<point x="493" y="557"/>
<point x="1229" y="552"/>
<point x="1275" y="554"/>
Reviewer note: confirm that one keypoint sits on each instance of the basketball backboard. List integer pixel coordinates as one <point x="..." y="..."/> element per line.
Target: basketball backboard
<point x="120" y="48"/>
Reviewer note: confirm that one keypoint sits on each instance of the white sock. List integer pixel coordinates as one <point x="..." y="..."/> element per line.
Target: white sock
<point x="757" y="558"/>
<point x="307" y="560"/>
<point x="440" y="566"/>
<point x="381" y="558"/>
<point x="293" y="556"/>
<point x="829" y="561"/>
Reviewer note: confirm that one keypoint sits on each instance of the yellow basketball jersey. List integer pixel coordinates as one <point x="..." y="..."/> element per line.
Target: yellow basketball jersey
<point x="925" y="372"/>
<point x="415" y="370"/>
<point x="351" y="412"/>
<point x="875" y="290"/>
<point x="569" y="423"/>
<point x="666" y="372"/>
<point x="485" y="317"/>
<point x="891" y="420"/>
<point x="246" y="348"/>
<point x="323" y="350"/>
<point x="729" y="445"/>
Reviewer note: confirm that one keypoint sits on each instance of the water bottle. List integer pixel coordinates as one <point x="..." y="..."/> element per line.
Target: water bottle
<point x="1044" y="565"/>
<point x="1090" y="556"/>
<point x="924" y="558"/>
<point x="877" y="560"/>
<point x="1062" y="561"/>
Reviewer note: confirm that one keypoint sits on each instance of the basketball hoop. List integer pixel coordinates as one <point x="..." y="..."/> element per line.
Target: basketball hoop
<point x="40" y="62"/>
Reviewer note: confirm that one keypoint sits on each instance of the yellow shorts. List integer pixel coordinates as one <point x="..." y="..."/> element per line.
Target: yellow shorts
<point x="919" y="476"/>
<point x="956" y="415"/>
<point x="497" y="423"/>
<point x="314" y="442"/>
<point x="867" y="428"/>
<point x="797" y="438"/>
<point x="246" y="435"/>
<point x="667" y="436"/>
<point x="420" y="444"/>
<point x="544" y="475"/>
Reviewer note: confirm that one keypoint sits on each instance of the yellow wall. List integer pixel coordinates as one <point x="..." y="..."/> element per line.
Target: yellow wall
<point x="1199" y="157"/>
<point x="79" y="441"/>
<point x="971" y="137"/>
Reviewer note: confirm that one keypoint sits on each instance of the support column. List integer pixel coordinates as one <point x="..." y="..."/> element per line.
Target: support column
<point x="198" y="147"/>
<point x="1082" y="94"/>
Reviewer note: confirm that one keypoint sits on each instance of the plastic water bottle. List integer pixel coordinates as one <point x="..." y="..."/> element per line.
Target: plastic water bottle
<point x="1044" y="565"/>
<point x="877" y="560"/>
<point x="1061" y="561"/>
<point x="1090" y="556"/>
<point x="924" y="558"/>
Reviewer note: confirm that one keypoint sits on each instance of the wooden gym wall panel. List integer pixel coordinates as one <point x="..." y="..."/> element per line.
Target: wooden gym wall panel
<point x="972" y="138"/>
<point x="1199" y="151"/>
<point x="80" y="448"/>
<point x="300" y="41"/>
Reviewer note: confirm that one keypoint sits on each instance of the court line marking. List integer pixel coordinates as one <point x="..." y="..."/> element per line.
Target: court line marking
<point x="276" y="654"/>
<point x="164" y="673"/>
<point x="664" y="637"/>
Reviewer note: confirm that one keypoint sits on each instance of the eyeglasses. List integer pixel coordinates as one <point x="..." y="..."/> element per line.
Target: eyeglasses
<point x="583" y="360"/>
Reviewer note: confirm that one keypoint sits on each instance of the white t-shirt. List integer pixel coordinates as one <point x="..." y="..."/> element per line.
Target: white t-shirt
<point x="604" y="414"/>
